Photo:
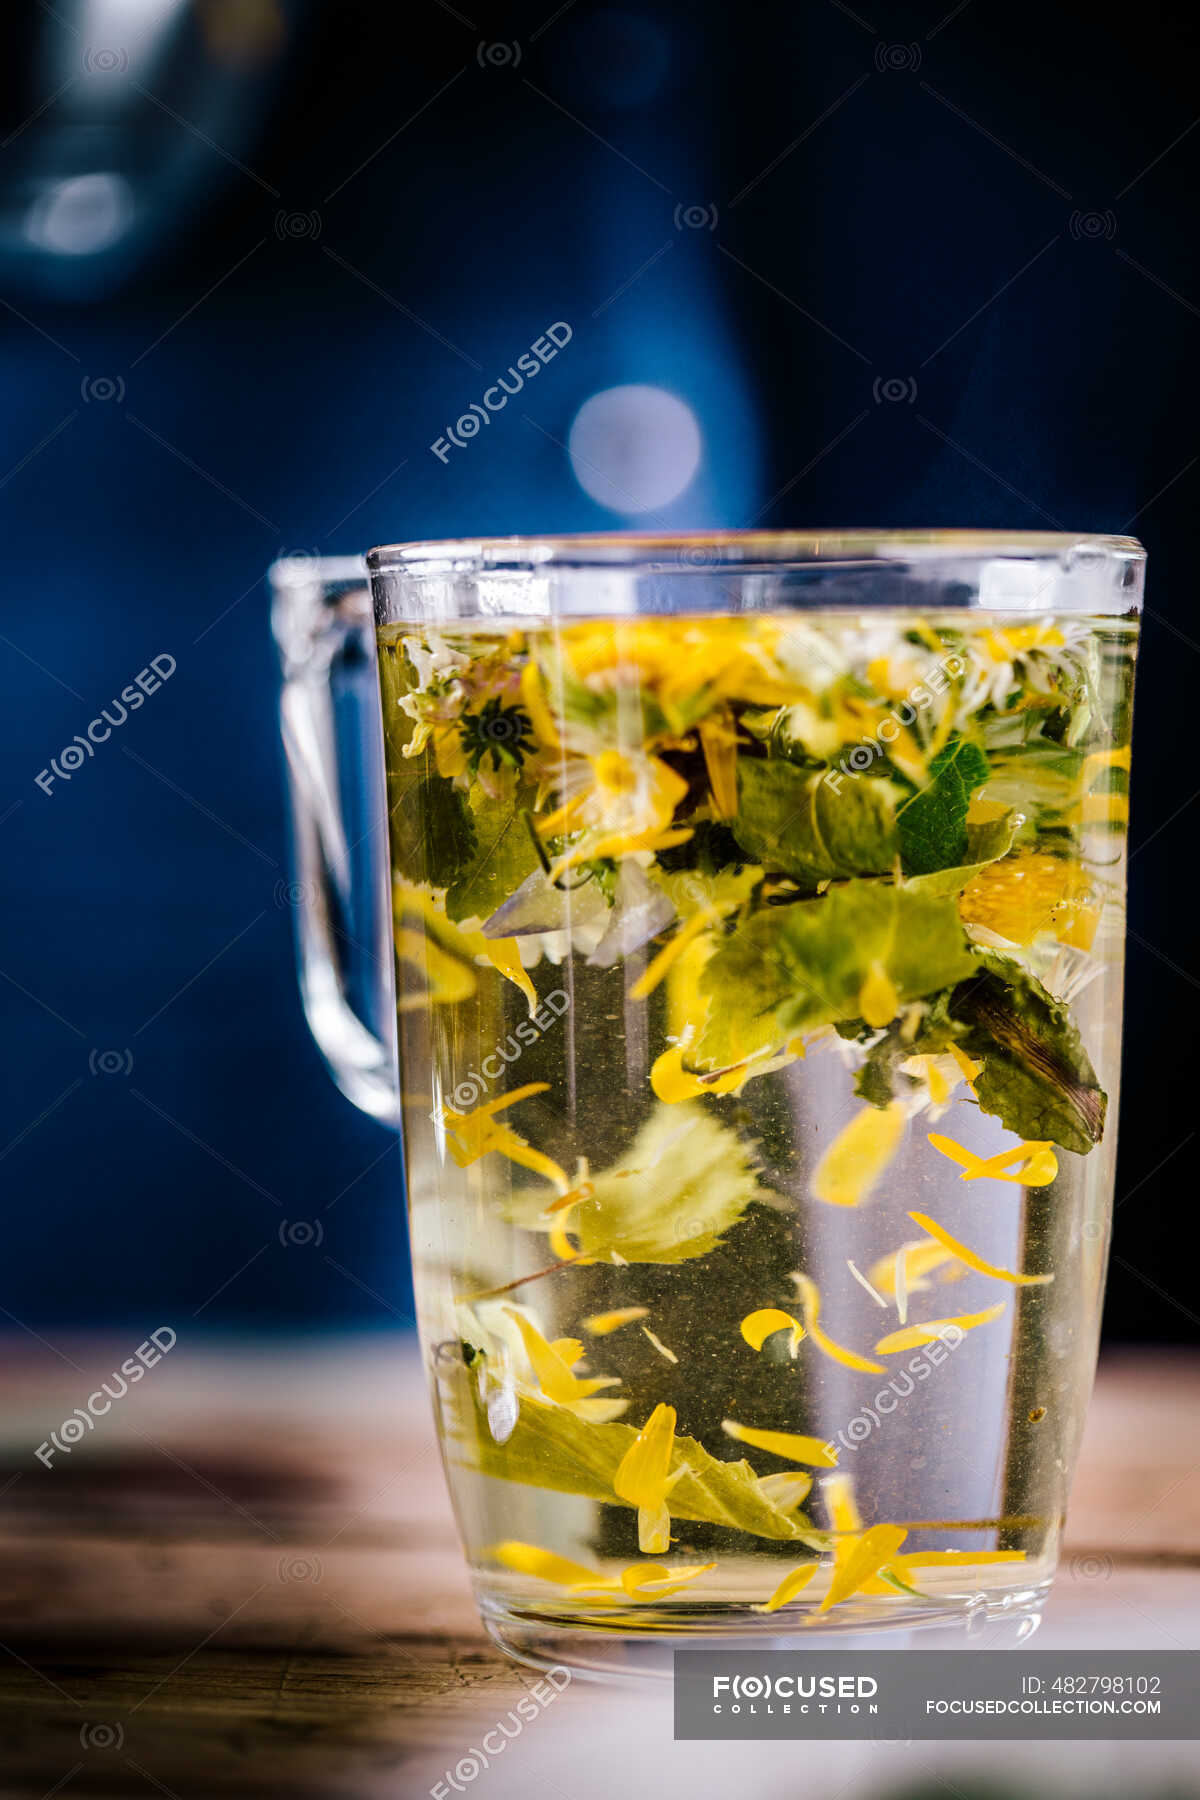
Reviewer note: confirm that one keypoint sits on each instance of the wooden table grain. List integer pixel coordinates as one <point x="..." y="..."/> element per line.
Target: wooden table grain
<point x="246" y="1580"/>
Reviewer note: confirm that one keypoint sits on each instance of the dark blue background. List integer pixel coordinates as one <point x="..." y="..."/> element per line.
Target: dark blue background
<point x="991" y="211"/>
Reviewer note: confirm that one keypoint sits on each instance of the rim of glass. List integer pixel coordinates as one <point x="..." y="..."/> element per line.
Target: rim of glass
<point x="704" y="551"/>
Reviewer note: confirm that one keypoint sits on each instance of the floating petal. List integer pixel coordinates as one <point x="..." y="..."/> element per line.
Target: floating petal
<point x="667" y="1355"/>
<point x="810" y="1301"/>
<point x="553" y="1363"/>
<point x="792" y="1444"/>
<point x="915" y="1335"/>
<point x="600" y="1324"/>
<point x="878" y="1001"/>
<point x="667" y="956"/>
<point x="543" y="1565"/>
<point x="655" y="1581"/>
<point x="786" y="1491"/>
<point x="757" y="1327"/>
<point x="789" y="1587"/>
<point x="859" y="1154"/>
<point x="1028" y="1164"/>
<point x="969" y="1257"/>
<point x="871" y="1552"/>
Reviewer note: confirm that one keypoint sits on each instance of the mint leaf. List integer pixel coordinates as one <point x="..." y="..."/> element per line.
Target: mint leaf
<point x="502" y="856"/>
<point x="985" y="844"/>
<point x="933" y="823"/>
<point x="814" y="827"/>
<point x="792" y="967"/>
<point x="1037" y="1078"/>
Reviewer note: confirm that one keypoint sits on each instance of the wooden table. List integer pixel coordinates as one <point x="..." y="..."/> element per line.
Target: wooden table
<point x="246" y="1580"/>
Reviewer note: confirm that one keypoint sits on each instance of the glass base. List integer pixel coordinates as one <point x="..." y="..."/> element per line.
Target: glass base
<point x="627" y="1652"/>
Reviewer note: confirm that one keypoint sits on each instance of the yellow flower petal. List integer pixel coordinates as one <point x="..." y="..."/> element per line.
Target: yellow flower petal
<point x="718" y="740"/>
<point x="786" y="1491"/>
<point x="543" y="1565"/>
<point x="505" y="958"/>
<point x="671" y="1082"/>
<point x="553" y="1364"/>
<point x="655" y="971"/>
<point x="939" y="1087"/>
<point x="643" y="1474"/>
<point x="792" y="1444"/>
<point x="911" y="1262"/>
<point x="655" y="1581"/>
<point x="600" y="1324"/>
<point x="810" y="1301"/>
<point x="969" y="1257"/>
<point x="668" y="1355"/>
<point x="873" y="1549"/>
<point x="838" y="1494"/>
<point x="915" y="1335"/>
<point x="533" y="698"/>
<point x="757" y="1327"/>
<point x="789" y="1587"/>
<point x="447" y="981"/>
<point x="472" y="1135"/>
<point x="1037" y="1163"/>
<point x="878" y="1001"/>
<point x="937" y="1559"/>
<point x="859" y="1155"/>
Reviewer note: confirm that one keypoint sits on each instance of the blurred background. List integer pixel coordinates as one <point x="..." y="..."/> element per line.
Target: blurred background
<point x="820" y="265"/>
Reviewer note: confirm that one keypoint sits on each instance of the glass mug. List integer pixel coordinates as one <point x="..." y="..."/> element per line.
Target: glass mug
<point x="752" y="1021"/>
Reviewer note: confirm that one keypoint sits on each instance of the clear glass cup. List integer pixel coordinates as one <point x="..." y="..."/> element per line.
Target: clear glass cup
<point x="757" y="905"/>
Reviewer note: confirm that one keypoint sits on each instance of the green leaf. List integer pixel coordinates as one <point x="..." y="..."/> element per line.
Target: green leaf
<point x="684" y="1180"/>
<point x="814" y="827"/>
<point x="985" y="844"/>
<point x="503" y="855"/>
<point x="550" y="1447"/>
<point x="439" y="813"/>
<point x="1037" y="1078"/>
<point x="933" y="823"/>
<point x="803" y="965"/>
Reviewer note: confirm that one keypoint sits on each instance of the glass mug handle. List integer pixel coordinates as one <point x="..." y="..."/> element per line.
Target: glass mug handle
<point x="329" y="716"/>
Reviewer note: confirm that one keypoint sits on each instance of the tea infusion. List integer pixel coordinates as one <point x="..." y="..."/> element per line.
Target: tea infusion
<point x="769" y="970"/>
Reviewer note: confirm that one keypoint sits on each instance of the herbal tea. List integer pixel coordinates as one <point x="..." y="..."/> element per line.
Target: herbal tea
<point x="759" y="986"/>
